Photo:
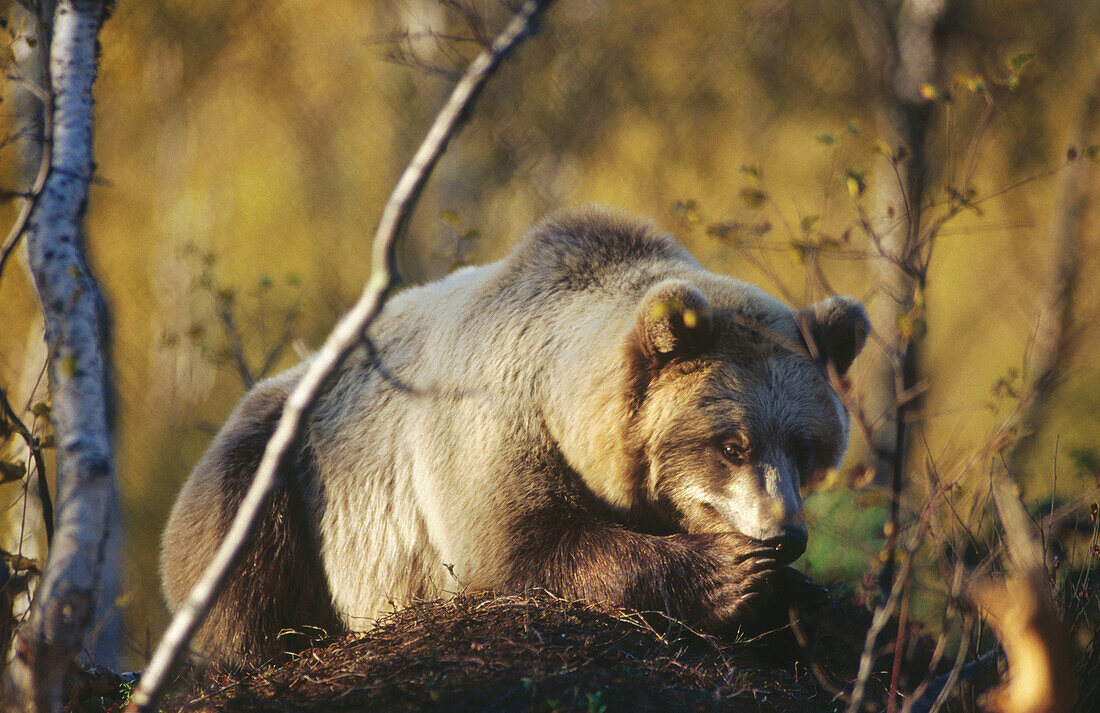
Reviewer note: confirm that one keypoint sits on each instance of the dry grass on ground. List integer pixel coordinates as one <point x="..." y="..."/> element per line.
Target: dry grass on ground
<point x="539" y="653"/>
<point x="542" y="654"/>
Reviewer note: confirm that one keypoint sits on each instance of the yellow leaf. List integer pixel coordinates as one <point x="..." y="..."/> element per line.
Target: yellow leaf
<point x="855" y="184"/>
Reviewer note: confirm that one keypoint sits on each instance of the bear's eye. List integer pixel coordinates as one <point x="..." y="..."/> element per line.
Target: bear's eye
<point x="735" y="449"/>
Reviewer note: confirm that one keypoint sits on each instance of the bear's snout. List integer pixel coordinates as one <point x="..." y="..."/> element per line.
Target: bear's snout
<point x="790" y="545"/>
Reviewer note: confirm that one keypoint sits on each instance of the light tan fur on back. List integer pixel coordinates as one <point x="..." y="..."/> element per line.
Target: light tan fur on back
<point x="594" y="414"/>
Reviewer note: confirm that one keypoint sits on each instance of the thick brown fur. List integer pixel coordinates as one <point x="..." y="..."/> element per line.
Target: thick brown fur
<point x="595" y="415"/>
<point x="279" y="587"/>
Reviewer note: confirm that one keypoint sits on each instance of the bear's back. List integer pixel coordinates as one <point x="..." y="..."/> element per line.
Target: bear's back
<point x="593" y="249"/>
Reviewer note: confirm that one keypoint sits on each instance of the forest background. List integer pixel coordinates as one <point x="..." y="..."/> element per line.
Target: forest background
<point x="245" y="149"/>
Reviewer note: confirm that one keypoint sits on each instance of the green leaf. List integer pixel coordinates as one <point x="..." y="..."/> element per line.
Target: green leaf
<point x="1092" y="152"/>
<point x="42" y="409"/>
<point x="751" y="170"/>
<point x="828" y="140"/>
<point x="1020" y="61"/>
<point x="809" y="222"/>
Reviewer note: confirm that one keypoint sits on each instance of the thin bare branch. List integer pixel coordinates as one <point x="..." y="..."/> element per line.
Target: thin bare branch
<point x="20" y="225"/>
<point x="15" y="234"/>
<point x="348" y="333"/>
<point x="224" y="308"/>
<point x="39" y="462"/>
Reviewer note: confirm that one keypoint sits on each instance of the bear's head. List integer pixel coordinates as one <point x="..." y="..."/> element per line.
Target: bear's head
<point x="732" y="408"/>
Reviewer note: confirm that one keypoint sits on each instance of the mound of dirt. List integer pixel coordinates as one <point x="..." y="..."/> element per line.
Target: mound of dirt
<point x="539" y="653"/>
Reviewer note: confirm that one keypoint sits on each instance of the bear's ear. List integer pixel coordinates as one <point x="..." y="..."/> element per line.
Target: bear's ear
<point x="834" y="330"/>
<point x="674" y="320"/>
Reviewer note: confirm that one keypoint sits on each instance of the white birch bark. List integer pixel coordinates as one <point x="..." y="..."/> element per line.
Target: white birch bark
<point x="75" y="596"/>
<point x="900" y="54"/>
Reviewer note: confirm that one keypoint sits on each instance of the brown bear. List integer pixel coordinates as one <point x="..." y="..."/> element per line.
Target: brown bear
<point x="595" y="415"/>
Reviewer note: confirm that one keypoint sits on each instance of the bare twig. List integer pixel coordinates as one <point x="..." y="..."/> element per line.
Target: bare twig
<point x="884" y="611"/>
<point x="15" y="234"/>
<point x="347" y="334"/>
<point x="277" y="349"/>
<point x="933" y="698"/>
<point x="824" y="678"/>
<point x="20" y="225"/>
<point x="878" y="622"/>
<point x="899" y="648"/>
<point x="73" y="596"/>
<point x="236" y="345"/>
<point x="35" y="449"/>
<point x="929" y="689"/>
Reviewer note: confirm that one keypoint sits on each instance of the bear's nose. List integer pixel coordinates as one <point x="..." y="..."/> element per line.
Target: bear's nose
<point x="790" y="545"/>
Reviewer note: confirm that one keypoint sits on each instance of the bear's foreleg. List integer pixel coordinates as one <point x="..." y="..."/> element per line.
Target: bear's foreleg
<point x="718" y="581"/>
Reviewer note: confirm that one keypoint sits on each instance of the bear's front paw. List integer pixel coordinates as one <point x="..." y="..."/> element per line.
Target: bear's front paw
<point x="741" y="586"/>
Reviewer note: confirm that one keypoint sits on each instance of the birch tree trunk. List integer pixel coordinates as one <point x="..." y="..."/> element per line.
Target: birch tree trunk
<point x="75" y="596"/>
<point x="1055" y="333"/>
<point x="901" y="55"/>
